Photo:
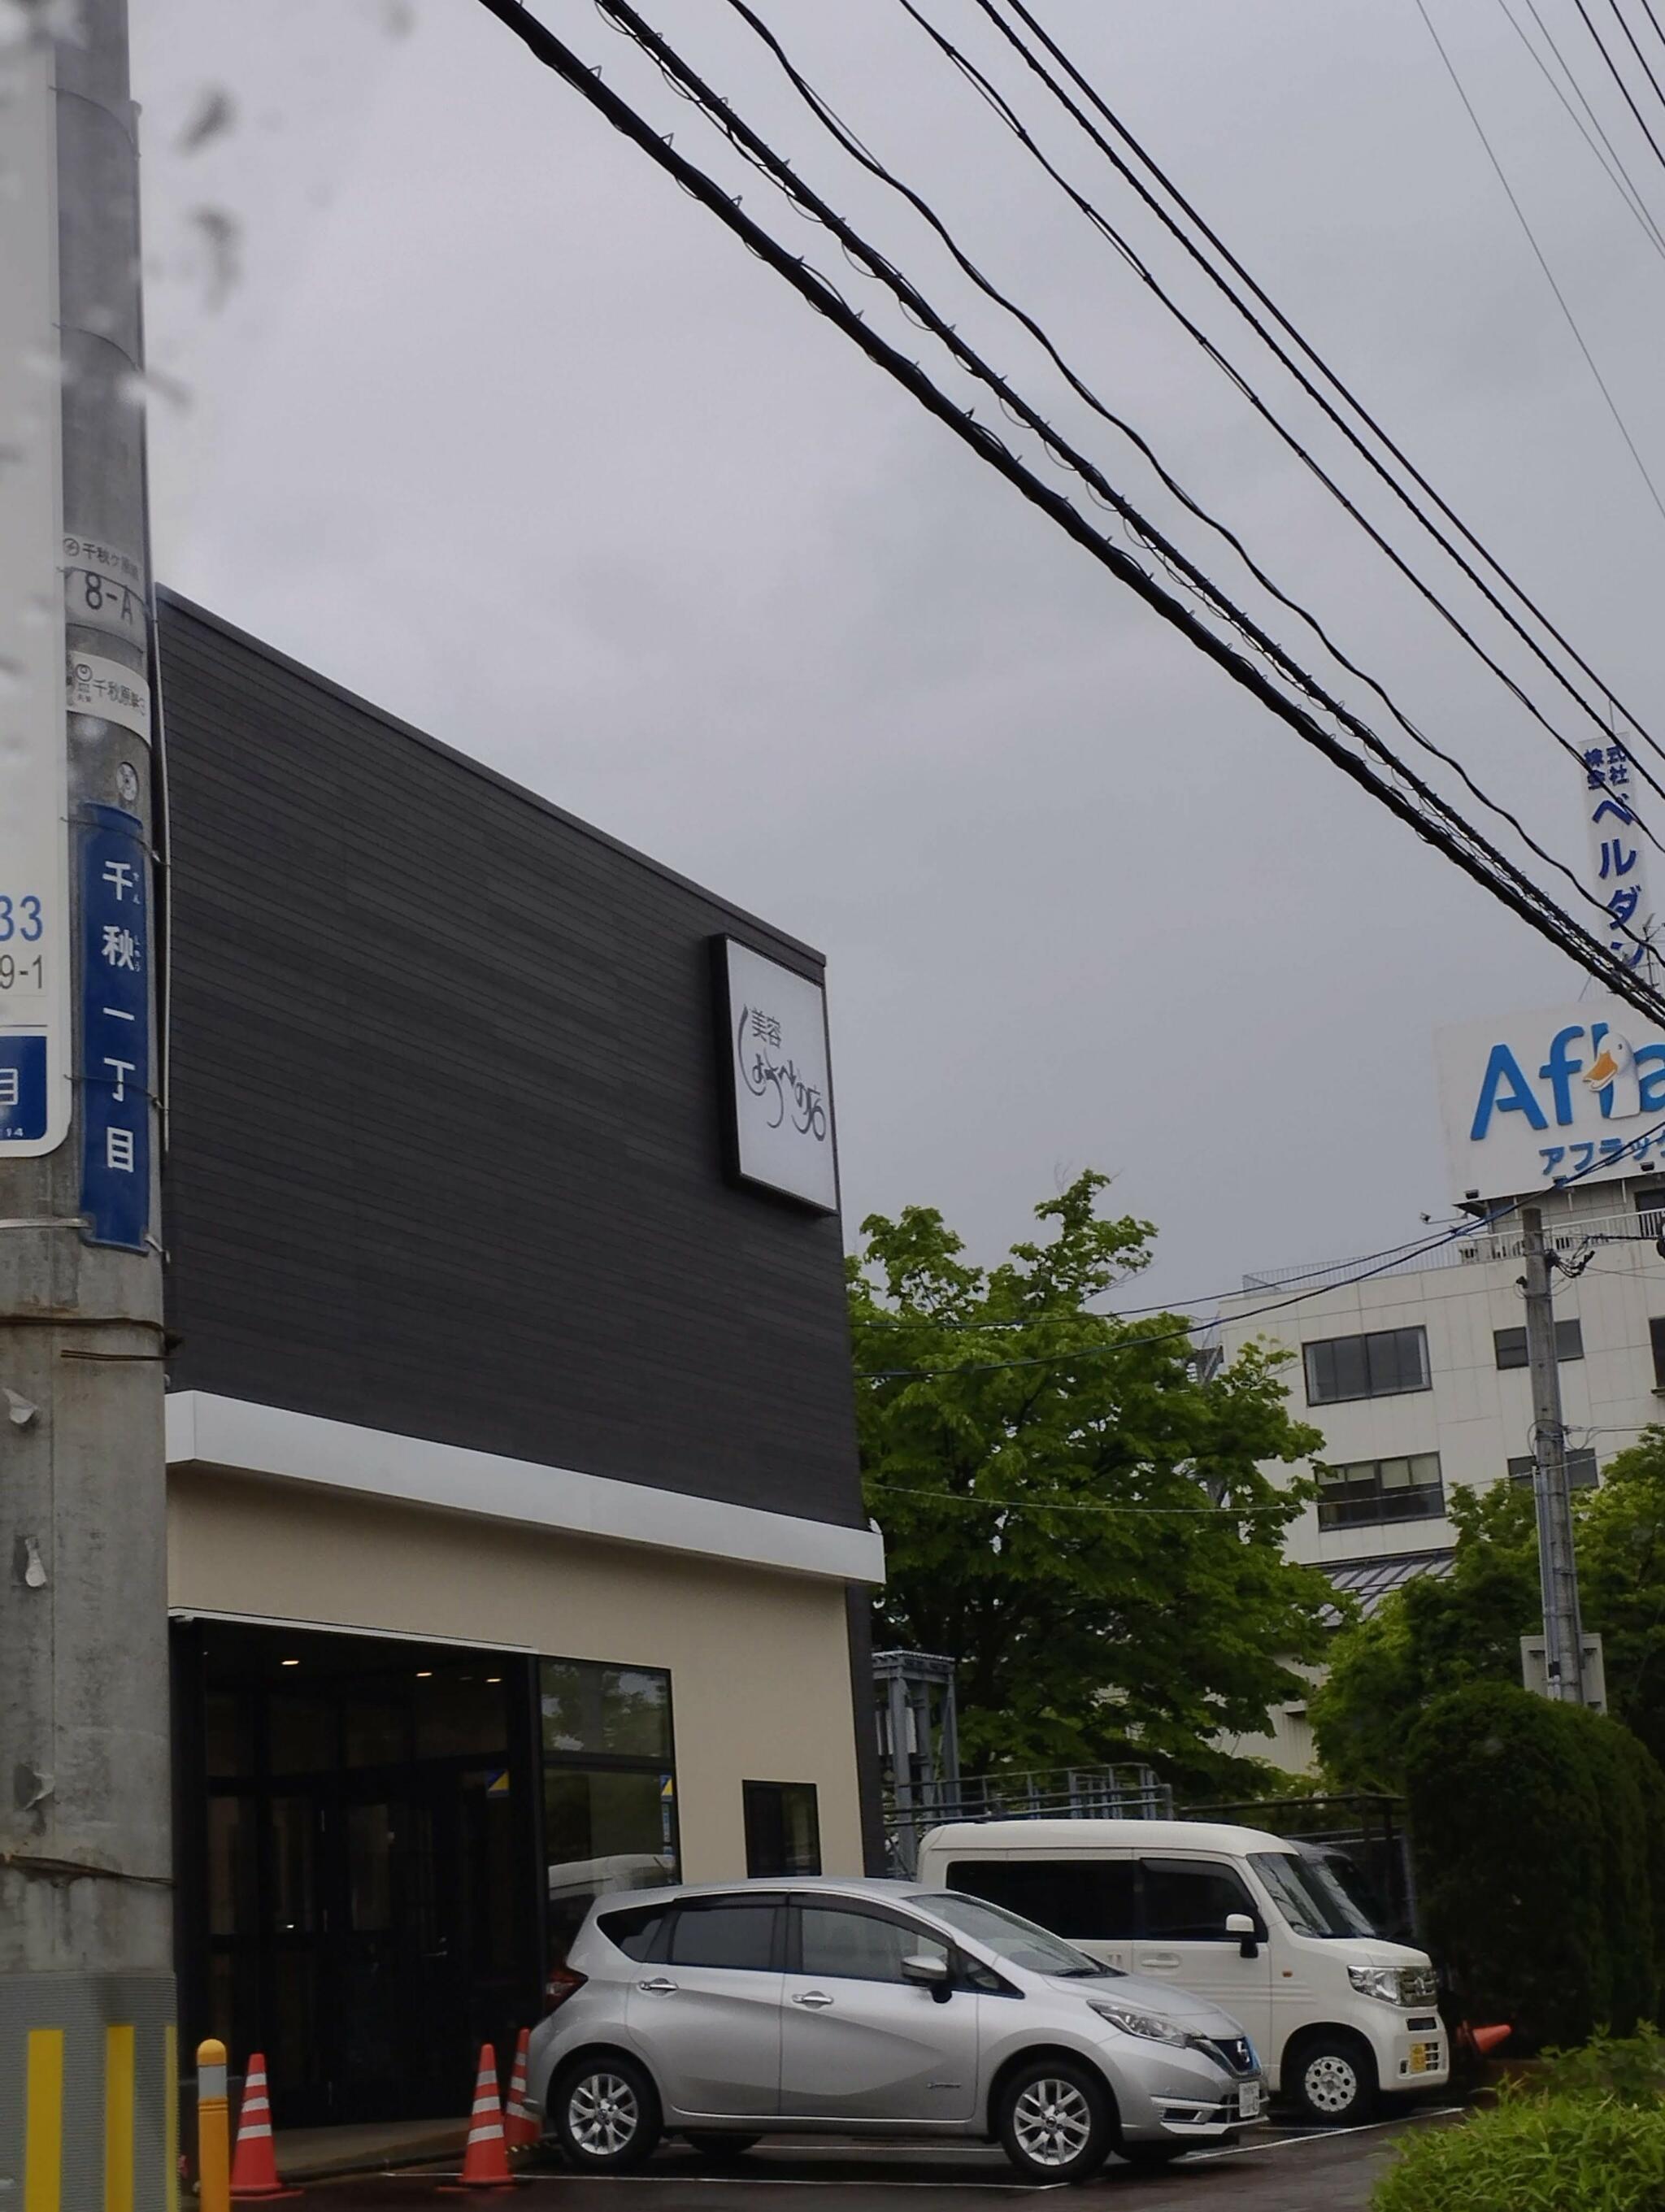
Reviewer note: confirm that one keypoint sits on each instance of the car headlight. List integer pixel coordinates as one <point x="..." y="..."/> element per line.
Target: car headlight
<point x="1401" y="1985"/>
<point x="1150" y="2025"/>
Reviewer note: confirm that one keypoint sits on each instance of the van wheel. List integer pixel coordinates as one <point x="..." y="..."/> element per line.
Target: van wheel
<point x="607" y="2115"/>
<point x="1055" y="2121"/>
<point x="1330" y="2078"/>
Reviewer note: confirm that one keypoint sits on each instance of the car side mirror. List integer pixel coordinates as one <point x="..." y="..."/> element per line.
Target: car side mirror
<point x="927" y="1973"/>
<point x="1247" y="1932"/>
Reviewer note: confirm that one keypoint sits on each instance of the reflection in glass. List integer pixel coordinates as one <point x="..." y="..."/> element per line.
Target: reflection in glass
<point x="604" y="1830"/>
<point x="623" y="1712"/>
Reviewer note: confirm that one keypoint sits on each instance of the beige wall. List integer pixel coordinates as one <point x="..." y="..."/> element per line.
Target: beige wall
<point x="760" y="1668"/>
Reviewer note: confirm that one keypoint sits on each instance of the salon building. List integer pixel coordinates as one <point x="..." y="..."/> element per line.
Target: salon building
<point x="516" y="1540"/>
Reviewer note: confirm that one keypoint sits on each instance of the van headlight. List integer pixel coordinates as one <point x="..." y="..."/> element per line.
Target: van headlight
<point x="1150" y="2025"/>
<point x="1400" y="1985"/>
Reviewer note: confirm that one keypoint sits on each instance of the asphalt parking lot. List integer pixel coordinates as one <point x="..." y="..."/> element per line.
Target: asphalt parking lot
<point x="1276" y="2170"/>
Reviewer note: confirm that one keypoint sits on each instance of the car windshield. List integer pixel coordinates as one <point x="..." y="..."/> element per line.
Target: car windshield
<point x="1019" y="1942"/>
<point x="1309" y="1896"/>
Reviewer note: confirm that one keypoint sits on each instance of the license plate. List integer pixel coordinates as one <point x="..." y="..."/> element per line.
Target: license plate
<point x="1249" y="2100"/>
<point x="1425" y="2058"/>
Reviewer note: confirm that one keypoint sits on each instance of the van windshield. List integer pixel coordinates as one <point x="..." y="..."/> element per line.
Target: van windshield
<point x="1019" y="1942"/>
<point x="1309" y="1896"/>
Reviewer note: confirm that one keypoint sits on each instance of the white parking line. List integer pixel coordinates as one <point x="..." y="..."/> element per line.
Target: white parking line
<point x="1325" y="2135"/>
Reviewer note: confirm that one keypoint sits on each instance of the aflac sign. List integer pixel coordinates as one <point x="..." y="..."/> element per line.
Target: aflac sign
<point x="1531" y="1101"/>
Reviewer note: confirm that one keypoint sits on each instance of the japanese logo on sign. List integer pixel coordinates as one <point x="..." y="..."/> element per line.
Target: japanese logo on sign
<point x="115" y="1041"/>
<point x="1618" y="859"/>
<point x="35" y="1091"/>
<point x="1533" y="1102"/>
<point x="773" y="1024"/>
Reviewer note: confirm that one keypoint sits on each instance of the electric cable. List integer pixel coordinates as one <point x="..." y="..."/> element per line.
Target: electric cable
<point x="1538" y="251"/>
<point x="625" y="19"/>
<point x="866" y="257"/>
<point x="1614" y="73"/>
<point x="1280" y="353"/>
<point x="1619" y="17"/>
<point x="1456" y="840"/>
<point x="1612" y="168"/>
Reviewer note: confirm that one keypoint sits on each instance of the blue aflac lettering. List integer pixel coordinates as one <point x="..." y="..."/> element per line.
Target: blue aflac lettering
<point x="1505" y="1090"/>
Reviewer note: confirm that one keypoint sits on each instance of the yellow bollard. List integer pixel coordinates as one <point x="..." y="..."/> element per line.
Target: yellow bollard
<point x="213" y="2129"/>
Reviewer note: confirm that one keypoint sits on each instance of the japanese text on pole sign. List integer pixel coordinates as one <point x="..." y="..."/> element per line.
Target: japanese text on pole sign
<point x="115" y="1040"/>
<point x="775" y="1020"/>
<point x="1618" y="861"/>
<point x="35" y="1092"/>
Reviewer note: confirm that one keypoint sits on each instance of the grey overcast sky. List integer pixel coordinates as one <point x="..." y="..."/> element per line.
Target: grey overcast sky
<point x="460" y="401"/>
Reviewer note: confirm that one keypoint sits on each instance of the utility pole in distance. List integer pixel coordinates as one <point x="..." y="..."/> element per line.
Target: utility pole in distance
<point x="87" y="2095"/>
<point x="1557" y="1567"/>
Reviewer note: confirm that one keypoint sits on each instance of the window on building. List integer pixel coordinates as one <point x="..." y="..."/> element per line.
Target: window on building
<point x="1509" y="1345"/>
<point x="609" y="1791"/>
<point x="862" y="1947"/>
<point x="783" y="1828"/>
<point x="1381" y="1364"/>
<point x="1368" y="1492"/>
<point x="1090" y="1900"/>
<point x="1583" y="1472"/>
<point x="1656" y="1338"/>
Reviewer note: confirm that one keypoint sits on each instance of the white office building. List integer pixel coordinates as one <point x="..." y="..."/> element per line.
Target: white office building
<point x="1417" y="1373"/>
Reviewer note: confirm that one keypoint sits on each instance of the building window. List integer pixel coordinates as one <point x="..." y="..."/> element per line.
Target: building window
<point x="783" y="1828"/>
<point x="610" y="1789"/>
<point x="1656" y="1338"/>
<point x="1384" y="1364"/>
<point x="1583" y="1472"/>
<point x="1368" y="1492"/>
<point x="1509" y="1345"/>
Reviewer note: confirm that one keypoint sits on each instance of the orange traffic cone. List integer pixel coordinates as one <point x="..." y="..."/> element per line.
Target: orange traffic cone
<point x="254" y="2162"/>
<point x="521" y="2127"/>
<point x="1486" y="2040"/>
<point x="485" y="2161"/>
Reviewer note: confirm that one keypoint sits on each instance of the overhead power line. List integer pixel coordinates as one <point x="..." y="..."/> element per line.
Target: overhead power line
<point x="626" y="20"/>
<point x="1322" y="368"/>
<point x="865" y="257"/>
<point x="1541" y="258"/>
<point x="1612" y="167"/>
<point x="1449" y="834"/>
<point x="1617" y="75"/>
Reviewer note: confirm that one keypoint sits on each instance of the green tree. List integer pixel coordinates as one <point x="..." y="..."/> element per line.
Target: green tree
<point x="1437" y="1634"/>
<point x="1073" y="1510"/>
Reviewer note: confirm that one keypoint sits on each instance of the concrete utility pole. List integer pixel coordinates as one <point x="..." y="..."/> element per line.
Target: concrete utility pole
<point x="87" y="2095"/>
<point x="1558" y="1569"/>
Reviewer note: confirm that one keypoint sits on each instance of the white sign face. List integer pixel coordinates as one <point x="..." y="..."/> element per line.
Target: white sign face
<point x="1618" y="871"/>
<point x="34" y="901"/>
<point x="782" y="1134"/>
<point x="111" y="690"/>
<point x="1537" y="1099"/>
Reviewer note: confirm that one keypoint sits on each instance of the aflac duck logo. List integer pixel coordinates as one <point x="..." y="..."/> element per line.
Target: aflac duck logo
<point x="1626" y="1080"/>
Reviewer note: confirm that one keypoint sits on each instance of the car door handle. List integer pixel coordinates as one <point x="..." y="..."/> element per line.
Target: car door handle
<point x="815" y="1999"/>
<point x="660" y="1988"/>
<point x="1170" y="1961"/>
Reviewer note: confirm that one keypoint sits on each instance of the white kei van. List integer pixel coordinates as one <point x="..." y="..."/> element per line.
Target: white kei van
<point x="1338" y="2014"/>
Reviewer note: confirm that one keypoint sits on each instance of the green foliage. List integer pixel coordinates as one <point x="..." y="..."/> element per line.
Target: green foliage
<point x="1559" y="2154"/>
<point x="1080" y="1635"/>
<point x="1434" y="1635"/>
<point x="1535" y="1828"/>
<point x="1631" y="2067"/>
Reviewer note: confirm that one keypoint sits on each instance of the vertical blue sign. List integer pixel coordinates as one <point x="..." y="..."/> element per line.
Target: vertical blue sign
<point x="115" y="1029"/>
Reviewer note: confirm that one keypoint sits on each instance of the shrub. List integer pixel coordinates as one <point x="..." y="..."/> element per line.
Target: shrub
<point x="1552" y="2153"/>
<point x="1630" y="2069"/>
<point x="1512" y="1854"/>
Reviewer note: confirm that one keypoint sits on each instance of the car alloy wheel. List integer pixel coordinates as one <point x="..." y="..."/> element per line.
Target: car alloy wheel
<point x="603" y="2115"/>
<point x="1052" y="2122"/>
<point x="1331" y="2085"/>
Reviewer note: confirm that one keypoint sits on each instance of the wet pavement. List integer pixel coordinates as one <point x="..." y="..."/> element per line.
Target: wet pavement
<point x="1276" y="2170"/>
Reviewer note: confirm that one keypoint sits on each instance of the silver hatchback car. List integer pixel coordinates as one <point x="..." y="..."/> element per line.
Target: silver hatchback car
<point x="873" y="2008"/>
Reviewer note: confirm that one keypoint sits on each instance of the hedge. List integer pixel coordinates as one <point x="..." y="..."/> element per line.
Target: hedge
<point x="1539" y="1837"/>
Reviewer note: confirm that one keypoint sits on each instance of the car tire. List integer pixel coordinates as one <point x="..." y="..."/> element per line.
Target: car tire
<point x="1329" y="2077"/>
<point x="719" y="2149"/>
<point x="1055" y="2120"/>
<point x="606" y="2114"/>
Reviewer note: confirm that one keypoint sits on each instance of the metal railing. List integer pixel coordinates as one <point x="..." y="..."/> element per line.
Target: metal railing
<point x="1065" y="1793"/>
